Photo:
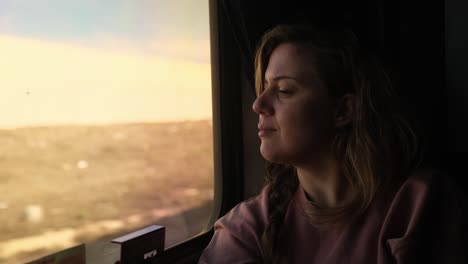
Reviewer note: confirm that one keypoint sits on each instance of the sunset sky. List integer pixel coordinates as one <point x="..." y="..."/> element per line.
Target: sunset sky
<point x="106" y="61"/>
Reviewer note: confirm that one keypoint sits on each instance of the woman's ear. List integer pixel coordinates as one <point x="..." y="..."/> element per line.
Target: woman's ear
<point x="344" y="110"/>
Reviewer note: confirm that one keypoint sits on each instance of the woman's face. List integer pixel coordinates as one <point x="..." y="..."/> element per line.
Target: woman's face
<point x="296" y="113"/>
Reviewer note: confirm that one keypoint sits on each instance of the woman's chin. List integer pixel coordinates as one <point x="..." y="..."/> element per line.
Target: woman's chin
<point x="270" y="155"/>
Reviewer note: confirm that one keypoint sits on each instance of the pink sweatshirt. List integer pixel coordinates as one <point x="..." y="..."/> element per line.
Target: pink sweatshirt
<point x="418" y="222"/>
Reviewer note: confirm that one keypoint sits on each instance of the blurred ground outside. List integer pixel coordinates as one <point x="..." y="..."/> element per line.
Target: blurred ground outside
<point x="65" y="185"/>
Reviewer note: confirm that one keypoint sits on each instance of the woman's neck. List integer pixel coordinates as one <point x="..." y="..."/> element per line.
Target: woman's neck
<point x="324" y="183"/>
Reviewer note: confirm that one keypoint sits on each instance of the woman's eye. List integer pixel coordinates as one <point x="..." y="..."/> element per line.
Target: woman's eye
<point x="285" y="91"/>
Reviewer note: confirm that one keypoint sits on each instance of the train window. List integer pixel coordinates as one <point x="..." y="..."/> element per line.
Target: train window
<point x="106" y="122"/>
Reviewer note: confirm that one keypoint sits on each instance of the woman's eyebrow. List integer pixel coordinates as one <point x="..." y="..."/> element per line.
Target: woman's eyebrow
<point x="277" y="78"/>
<point x="282" y="77"/>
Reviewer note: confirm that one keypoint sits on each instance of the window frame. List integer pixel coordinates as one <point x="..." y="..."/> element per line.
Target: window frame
<point x="227" y="134"/>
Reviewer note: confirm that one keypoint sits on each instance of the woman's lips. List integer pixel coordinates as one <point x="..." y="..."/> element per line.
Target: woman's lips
<point x="264" y="132"/>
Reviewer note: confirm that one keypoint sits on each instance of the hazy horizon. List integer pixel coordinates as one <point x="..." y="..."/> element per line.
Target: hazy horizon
<point x="103" y="63"/>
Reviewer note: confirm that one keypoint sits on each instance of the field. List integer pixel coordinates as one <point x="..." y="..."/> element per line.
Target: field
<point x="65" y="185"/>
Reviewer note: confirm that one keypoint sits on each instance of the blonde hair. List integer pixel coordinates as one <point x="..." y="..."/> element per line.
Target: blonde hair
<point x="378" y="145"/>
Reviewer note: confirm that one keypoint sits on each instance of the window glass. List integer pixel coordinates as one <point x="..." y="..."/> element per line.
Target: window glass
<point x="106" y="122"/>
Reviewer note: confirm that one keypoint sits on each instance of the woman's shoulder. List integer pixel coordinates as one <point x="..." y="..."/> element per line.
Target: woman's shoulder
<point x="249" y="214"/>
<point x="424" y="189"/>
<point x="423" y="184"/>
<point x="425" y="215"/>
<point x="422" y="177"/>
<point x="237" y="237"/>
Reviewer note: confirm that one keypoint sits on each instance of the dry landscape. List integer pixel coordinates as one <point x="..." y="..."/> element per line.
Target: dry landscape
<point x="65" y="185"/>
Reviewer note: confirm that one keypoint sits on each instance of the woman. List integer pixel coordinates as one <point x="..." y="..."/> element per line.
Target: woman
<point x="342" y="183"/>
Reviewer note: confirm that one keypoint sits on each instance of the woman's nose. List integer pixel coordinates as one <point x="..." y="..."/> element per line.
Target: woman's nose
<point x="261" y="105"/>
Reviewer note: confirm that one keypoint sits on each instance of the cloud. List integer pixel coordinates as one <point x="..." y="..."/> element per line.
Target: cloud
<point x="176" y="29"/>
<point x="196" y="50"/>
